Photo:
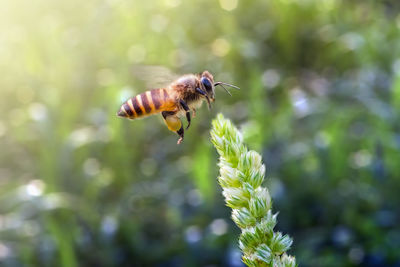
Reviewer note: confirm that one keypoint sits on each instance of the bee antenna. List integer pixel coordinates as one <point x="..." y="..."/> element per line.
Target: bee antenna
<point x="229" y="93"/>
<point x="227" y="84"/>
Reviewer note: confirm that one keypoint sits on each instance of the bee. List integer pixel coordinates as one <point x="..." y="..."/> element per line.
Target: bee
<point x="184" y="95"/>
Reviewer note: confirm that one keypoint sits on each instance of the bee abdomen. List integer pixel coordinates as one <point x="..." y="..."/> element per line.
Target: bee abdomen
<point x="144" y="104"/>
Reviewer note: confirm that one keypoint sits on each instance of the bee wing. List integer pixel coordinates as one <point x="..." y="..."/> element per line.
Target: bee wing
<point x="154" y="76"/>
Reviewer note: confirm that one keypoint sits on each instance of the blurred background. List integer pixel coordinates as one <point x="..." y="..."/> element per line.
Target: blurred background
<point x="320" y="100"/>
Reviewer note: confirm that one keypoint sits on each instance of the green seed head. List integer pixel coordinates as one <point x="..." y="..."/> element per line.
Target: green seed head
<point x="241" y="175"/>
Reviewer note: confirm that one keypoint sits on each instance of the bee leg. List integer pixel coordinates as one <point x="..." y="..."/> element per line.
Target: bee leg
<point x="174" y="124"/>
<point x="199" y="91"/>
<point x="180" y="132"/>
<point x="186" y="108"/>
<point x="194" y="112"/>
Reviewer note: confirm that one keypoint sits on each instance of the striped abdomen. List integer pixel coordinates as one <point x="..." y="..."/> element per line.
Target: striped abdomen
<point x="147" y="103"/>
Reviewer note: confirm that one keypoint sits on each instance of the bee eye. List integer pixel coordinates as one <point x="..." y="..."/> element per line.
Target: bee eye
<point x="206" y="84"/>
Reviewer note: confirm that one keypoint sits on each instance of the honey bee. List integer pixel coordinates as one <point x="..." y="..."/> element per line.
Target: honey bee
<point x="182" y="96"/>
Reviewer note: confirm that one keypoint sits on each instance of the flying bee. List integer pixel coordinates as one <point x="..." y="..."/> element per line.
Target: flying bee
<point x="182" y="96"/>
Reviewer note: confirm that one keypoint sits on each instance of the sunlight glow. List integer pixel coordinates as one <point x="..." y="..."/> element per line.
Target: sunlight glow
<point x="35" y="188"/>
<point x="220" y="47"/>
<point x="172" y="3"/>
<point x="228" y="5"/>
<point x="219" y="227"/>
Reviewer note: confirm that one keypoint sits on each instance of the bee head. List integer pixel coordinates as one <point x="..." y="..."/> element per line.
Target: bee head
<point x="207" y="84"/>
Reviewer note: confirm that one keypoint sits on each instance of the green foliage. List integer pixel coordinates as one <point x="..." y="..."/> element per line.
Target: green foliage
<point x="241" y="176"/>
